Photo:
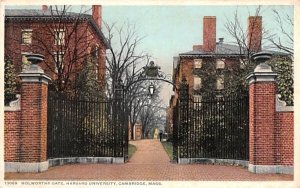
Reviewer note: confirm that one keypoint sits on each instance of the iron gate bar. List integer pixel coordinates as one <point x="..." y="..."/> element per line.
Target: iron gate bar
<point x="83" y="127"/>
<point x="211" y="127"/>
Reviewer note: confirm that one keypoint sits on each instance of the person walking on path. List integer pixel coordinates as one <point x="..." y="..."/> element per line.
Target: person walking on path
<point x="160" y="135"/>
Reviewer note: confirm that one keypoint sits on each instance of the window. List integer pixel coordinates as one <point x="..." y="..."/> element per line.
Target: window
<point x="197" y="63"/>
<point x="59" y="37"/>
<point x="58" y="61"/>
<point x="96" y="70"/>
<point x="242" y="64"/>
<point x="197" y="102"/>
<point x="220" y="63"/>
<point x="197" y="83"/>
<point x="220" y="82"/>
<point x="198" y="98"/>
<point x="26" y="36"/>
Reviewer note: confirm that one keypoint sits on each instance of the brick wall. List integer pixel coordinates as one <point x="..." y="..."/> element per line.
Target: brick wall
<point x="138" y="131"/>
<point x="34" y="122"/>
<point x="26" y="125"/>
<point x="284" y="126"/>
<point x="12" y="122"/>
<point x="186" y="70"/>
<point x="271" y="125"/>
<point x="261" y="123"/>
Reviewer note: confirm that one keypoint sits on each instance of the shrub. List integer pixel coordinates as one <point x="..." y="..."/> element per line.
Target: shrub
<point x="10" y="81"/>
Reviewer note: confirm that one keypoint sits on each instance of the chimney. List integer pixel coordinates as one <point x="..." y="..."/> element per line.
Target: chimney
<point x="254" y="33"/>
<point x="209" y="33"/>
<point x="97" y="14"/>
<point x="221" y="40"/>
<point x="44" y="8"/>
<point x="197" y="47"/>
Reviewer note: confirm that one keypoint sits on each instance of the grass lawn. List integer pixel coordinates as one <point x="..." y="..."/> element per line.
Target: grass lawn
<point x="168" y="146"/>
<point x="131" y="150"/>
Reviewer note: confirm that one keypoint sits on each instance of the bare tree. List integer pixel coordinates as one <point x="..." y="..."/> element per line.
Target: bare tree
<point x="123" y="55"/>
<point x="281" y="62"/>
<point x="282" y="21"/>
<point x="151" y="115"/>
<point x="125" y="61"/>
<point x="245" y="38"/>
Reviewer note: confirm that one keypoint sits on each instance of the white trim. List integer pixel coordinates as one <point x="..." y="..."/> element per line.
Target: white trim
<point x="271" y="169"/>
<point x="26" y="167"/>
<point x="197" y="63"/>
<point x="243" y="163"/>
<point x="261" y="77"/>
<point x="262" y="73"/>
<point x="281" y="105"/>
<point x="14" y="105"/>
<point x="22" y="37"/>
<point x="34" y="77"/>
<point x="26" y="29"/>
<point x="85" y="160"/>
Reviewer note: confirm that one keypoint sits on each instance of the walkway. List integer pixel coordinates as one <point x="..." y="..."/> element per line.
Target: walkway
<point x="150" y="162"/>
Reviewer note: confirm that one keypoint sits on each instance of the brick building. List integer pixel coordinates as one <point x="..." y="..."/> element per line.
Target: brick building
<point x="215" y="56"/>
<point x="66" y="39"/>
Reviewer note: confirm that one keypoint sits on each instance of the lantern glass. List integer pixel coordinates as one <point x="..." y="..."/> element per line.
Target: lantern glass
<point x="151" y="89"/>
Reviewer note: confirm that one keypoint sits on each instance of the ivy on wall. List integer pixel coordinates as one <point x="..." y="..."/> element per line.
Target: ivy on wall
<point x="10" y="81"/>
<point x="285" y="78"/>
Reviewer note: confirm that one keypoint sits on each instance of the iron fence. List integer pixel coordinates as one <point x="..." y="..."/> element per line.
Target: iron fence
<point x="85" y="127"/>
<point x="212" y="127"/>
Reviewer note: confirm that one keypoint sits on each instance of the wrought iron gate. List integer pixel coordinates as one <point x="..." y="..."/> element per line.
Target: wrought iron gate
<point x="87" y="127"/>
<point x="210" y="127"/>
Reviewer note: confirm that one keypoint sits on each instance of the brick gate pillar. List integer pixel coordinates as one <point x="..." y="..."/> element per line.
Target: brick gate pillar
<point x="262" y="106"/>
<point x="33" y="126"/>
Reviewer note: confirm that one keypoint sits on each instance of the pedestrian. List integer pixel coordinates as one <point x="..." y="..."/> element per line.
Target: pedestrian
<point x="160" y="135"/>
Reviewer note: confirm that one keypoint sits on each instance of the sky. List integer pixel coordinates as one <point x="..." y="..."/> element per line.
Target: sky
<point x="170" y="30"/>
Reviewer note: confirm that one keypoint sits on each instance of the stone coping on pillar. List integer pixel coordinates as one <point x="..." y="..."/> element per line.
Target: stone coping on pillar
<point x="34" y="77"/>
<point x="34" y="73"/>
<point x="26" y="167"/>
<point x="271" y="169"/>
<point x="262" y="73"/>
<point x="84" y="160"/>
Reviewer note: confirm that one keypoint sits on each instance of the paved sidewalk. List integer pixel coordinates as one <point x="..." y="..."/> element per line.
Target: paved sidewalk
<point x="149" y="163"/>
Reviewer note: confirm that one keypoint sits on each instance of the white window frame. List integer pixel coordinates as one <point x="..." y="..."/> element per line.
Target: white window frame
<point x="59" y="36"/>
<point x="197" y="63"/>
<point x="242" y="64"/>
<point x="23" y="39"/>
<point x="56" y="60"/>
<point x="220" y="64"/>
<point x="220" y="82"/>
<point x="197" y="85"/>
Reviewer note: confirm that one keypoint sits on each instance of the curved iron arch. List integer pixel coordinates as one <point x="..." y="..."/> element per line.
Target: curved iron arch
<point x="152" y="72"/>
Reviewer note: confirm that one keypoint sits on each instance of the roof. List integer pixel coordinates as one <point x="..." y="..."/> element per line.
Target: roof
<point x="40" y="15"/>
<point x="223" y="49"/>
